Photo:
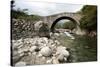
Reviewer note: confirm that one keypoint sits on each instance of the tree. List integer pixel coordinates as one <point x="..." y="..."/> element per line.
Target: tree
<point x="69" y="25"/>
<point x="89" y="20"/>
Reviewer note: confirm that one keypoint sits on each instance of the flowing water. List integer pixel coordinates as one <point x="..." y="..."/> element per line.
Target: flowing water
<point x="82" y="48"/>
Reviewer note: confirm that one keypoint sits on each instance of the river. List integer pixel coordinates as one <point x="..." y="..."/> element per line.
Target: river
<point x="82" y="48"/>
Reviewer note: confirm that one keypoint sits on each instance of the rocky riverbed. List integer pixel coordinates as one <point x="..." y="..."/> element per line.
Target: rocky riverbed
<point x="38" y="50"/>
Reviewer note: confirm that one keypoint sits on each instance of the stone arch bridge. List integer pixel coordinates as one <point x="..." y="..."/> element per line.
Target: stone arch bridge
<point x="51" y="20"/>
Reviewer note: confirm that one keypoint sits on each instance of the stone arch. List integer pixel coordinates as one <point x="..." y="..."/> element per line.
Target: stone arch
<point x="63" y="17"/>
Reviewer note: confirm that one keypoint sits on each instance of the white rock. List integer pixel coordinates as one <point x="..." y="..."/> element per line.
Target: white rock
<point x="20" y="51"/>
<point x="62" y="51"/>
<point x="50" y="42"/>
<point x="33" y="53"/>
<point x="46" y="51"/>
<point x="37" y="25"/>
<point x="15" y="53"/>
<point x="61" y="33"/>
<point x="55" y="60"/>
<point x="60" y="57"/>
<point x="21" y="54"/>
<point x="20" y="46"/>
<point x="51" y="33"/>
<point x="59" y="48"/>
<point x="49" y="61"/>
<point x="53" y="45"/>
<point x="17" y="43"/>
<point x="56" y="34"/>
<point x="21" y="63"/>
<point x="45" y="40"/>
<point x="32" y="49"/>
<point x="57" y="42"/>
<point x="65" y="53"/>
<point x="13" y="41"/>
<point x="65" y="58"/>
<point x="69" y="35"/>
<point x="39" y="55"/>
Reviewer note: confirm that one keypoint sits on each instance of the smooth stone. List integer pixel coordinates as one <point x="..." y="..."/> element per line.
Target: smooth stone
<point x="61" y="57"/>
<point x="46" y="51"/>
<point x="62" y="50"/>
<point x="56" y="34"/>
<point x="49" y="61"/>
<point x="33" y="48"/>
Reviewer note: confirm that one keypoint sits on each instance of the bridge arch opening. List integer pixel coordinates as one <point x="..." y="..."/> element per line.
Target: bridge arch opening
<point x="62" y="18"/>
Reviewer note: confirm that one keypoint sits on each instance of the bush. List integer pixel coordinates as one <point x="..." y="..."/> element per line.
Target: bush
<point x="89" y="20"/>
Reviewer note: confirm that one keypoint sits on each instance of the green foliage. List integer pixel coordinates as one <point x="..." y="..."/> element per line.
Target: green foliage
<point x="65" y="25"/>
<point x="17" y="14"/>
<point x="89" y="21"/>
<point x="58" y="25"/>
<point x="21" y="14"/>
<point x="69" y="25"/>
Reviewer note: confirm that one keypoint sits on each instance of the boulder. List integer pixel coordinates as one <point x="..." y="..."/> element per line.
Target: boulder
<point x="37" y="25"/>
<point x="62" y="53"/>
<point x="44" y="31"/>
<point x="60" y="57"/>
<point x="46" y="51"/>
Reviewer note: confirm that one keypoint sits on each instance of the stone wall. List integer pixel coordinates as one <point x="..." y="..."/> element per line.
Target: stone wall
<point x="28" y="29"/>
<point x="22" y="28"/>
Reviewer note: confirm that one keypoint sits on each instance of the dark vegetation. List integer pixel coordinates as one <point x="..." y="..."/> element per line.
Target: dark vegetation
<point x="66" y="25"/>
<point x="89" y="20"/>
<point x="20" y="14"/>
